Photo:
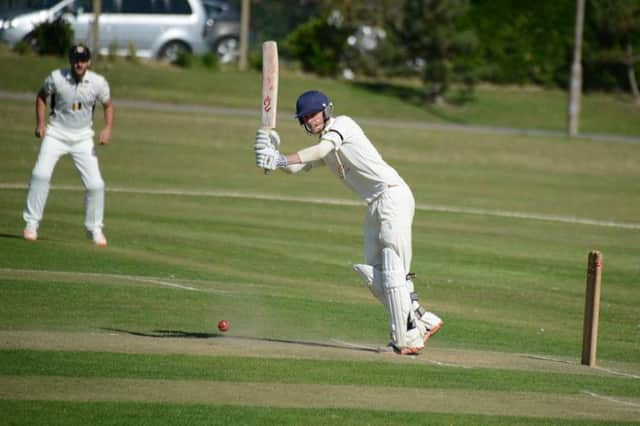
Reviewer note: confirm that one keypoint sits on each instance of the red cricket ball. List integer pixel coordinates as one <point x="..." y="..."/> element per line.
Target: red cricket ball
<point x="224" y="325"/>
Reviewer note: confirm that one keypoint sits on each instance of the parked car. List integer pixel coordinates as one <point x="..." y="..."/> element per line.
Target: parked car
<point x="154" y="28"/>
<point x="18" y="24"/>
<point x="222" y="29"/>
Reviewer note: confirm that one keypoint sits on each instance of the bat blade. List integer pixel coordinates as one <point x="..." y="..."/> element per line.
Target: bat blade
<point x="269" y="84"/>
<point x="270" y="72"/>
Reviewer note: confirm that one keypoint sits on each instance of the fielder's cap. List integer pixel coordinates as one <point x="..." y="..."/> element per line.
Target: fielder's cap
<point x="79" y="53"/>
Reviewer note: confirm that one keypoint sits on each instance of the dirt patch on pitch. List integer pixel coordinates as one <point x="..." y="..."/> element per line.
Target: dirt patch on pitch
<point x="530" y="404"/>
<point x="176" y="342"/>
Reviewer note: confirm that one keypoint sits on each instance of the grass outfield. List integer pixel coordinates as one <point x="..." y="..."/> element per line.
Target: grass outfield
<point x="515" y="107"/>
<point x="127" y="334"/>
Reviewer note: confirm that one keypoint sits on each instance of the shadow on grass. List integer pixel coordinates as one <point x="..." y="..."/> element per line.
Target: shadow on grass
<point x="14" y="236"/>
<point x="167" y="333"/>
<point x="199" y="335"/>
<point x="416" y="97"/>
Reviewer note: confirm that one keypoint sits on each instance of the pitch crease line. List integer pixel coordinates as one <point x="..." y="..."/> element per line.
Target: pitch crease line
<point x="146" y="280"/>
<point x="608" y="398"/>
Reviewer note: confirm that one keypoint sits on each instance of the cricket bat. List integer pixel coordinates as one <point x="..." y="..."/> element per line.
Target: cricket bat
<point x="269" y="86"/>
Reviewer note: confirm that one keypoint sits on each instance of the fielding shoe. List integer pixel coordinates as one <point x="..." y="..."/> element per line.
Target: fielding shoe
<point x="99" y="240"/>
<point x="29" y="234"/>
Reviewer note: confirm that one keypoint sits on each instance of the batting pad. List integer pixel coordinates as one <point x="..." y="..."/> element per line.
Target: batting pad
<point x="398" y="301"/>
<point x="372" y="280"/>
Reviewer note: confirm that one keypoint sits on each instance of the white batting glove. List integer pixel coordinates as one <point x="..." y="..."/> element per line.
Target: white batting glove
<point x="267" y="158"/>
<point x="268" y="136"/>
<point x="263" y="145"/>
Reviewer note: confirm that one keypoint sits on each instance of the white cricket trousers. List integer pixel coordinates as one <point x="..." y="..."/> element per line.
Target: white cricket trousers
<point x="86" y="162"/>
<point x="387" y="224"/>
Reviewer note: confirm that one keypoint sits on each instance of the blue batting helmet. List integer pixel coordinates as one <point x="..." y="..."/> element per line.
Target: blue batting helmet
<point x="311" y="102"/>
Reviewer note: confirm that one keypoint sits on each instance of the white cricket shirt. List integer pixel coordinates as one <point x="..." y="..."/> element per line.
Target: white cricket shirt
<point x="355" y="160"/>
<point x="72" y="104"/>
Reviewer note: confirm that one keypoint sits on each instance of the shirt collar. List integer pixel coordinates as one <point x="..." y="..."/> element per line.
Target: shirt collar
<point x="327" y="126"/>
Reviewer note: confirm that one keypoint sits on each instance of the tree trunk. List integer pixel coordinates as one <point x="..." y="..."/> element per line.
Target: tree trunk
<point x="631" y="73"/>
<point x="95" y="30"/>
<point x="575" y="85"/>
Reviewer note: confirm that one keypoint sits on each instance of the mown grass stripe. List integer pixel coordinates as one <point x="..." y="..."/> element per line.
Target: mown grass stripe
<point x="344" y="202"/>
<point x="51" y="388"/>
<point x="299" y="371"/>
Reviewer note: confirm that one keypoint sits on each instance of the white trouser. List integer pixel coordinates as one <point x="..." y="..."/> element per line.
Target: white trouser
<point x="387" y="246"/>
<point x="85" y="160"/>
<point x="388" y="224"/>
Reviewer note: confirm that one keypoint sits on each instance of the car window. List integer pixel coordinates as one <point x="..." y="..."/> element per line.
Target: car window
<point x="213" y="10"/>
<point x="179" y="7"/>
<point x="174" y="7"/>
<point x="83" y="6"/>
<point x="219" y="10"/>
<point x="32" y="5"/>
<point x="108" y="6"/>
<point x="137" y="6"/>
<point x="76" y="7"/>
<point x="45" y="4"/>
<point x="86" y="6"/>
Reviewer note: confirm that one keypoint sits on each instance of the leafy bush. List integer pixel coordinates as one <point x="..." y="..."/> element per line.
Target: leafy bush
<point x="184" y="60"/>
<point x="367" y="48"/>
<point x="318" y="46"/>
<point x="255" y="59"/>
<point x="437" y="44"/>
<point x="23" y="47"/>
<point x="523" y="42"/>
<point x="210" y="60"/>
<point x="53" y="38"/>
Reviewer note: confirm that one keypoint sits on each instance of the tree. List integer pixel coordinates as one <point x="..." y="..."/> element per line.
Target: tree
<point x="318" y="45"/>
<point x="367" y="50"/>
<point x="327" y="44"/>
<point x="275" y="19"/>
<point x="618" y="28"/>
<point x="523" y="42"/>
<point x="358" y="12"/>
<point x="430" y="36"/>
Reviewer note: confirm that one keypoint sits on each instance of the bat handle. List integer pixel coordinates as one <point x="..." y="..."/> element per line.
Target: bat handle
<point x="267" y="171"/>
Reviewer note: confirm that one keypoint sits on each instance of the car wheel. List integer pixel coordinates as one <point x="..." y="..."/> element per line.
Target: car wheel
<point x="228" y="49"/>
<point x="172" y="50"/>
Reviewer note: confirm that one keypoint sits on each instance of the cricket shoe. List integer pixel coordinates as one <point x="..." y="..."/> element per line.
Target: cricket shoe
<point x="433" y="330"/>
<point x="99" y="240"/>
<point x="414" y="343"/>
<point x="405" y="351"/>
<point x="29" y="234"/>
<point x="430" y="321"/>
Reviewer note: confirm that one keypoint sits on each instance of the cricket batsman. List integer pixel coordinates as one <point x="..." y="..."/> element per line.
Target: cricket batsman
<point x="344" y="148"/>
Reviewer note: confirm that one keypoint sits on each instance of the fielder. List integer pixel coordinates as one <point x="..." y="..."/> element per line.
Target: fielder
<point x="346" y="150"/>
<point x="74" y="92"/>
